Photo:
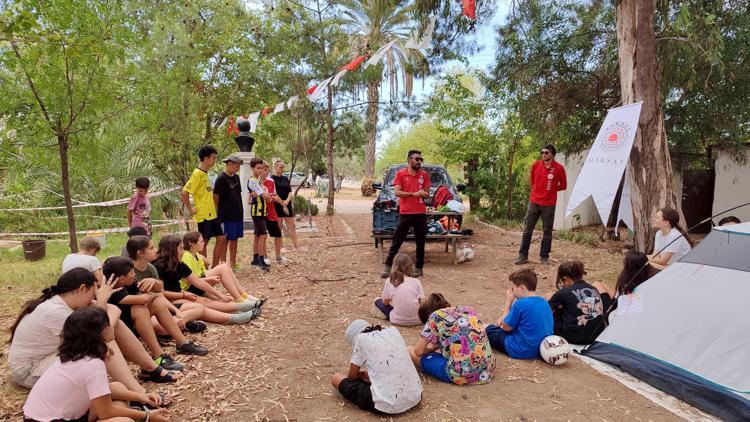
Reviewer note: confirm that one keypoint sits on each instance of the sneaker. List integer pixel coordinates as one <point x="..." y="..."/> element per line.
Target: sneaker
<point x="191" y="348"/>
<point x="164" y="341"/>
<point x="544" y="261"/>
<point x="377" y="313"/>
<point x="266" y="260"/>
<point x="418" y="272"/>
<point x="281" y="260"/>
<point x="264" y="266"/>
<point x="166" y="362"/>
<point x="195" y="326"/>
<point x="386" y="271"/>
<point x="521" y="260"/>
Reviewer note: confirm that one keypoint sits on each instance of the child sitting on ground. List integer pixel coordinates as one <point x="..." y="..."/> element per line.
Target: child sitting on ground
<point x="139" y="207"/>
<point x="390" y="384"/>
<point x="141" y="297"/>
<point x="135" y="231"/>
<point x="172" y="272"/>
<point x="219" y="274"/>
<point x="578" y="306"/>
<point x="76" y="386"/>
<point x="526" y="319"/>
<point x="85" y="258"/>
<point x="402" y="294"/>
<point x="452" y="347"/>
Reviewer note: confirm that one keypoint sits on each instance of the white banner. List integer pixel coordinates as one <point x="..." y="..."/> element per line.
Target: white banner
<point x="375" y="58"/>
<point x="606" y="163"/>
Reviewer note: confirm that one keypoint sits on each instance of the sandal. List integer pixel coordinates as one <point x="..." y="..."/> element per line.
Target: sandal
<point x="156" y="376"/>
<point x="166" y="401"/>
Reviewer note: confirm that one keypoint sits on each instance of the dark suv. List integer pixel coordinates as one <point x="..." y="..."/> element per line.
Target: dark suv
<point x="385" y="208"/>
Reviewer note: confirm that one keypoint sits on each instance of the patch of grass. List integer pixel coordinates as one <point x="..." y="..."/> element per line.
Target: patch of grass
<point x="506" y="223"/>
<point x="20" y="280"/>
<point x="580" y="237"/>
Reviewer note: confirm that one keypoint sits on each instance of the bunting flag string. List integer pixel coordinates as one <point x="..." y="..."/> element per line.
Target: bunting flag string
<point x="318" y="91"/>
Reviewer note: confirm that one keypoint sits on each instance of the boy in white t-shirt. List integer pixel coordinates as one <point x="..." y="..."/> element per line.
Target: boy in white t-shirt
<point x="85" y="258"/>
<point x="390" y="383"/>
<point x="670" y="244"/>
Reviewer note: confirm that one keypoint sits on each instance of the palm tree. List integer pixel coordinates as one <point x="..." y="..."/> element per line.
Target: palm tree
<point x="374" y="23"/>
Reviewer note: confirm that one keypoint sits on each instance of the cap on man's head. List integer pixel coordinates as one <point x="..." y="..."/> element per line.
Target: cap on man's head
<point x="355" y="329"/>
<point x="551" y="149"/>
<point x="233" y="158"/>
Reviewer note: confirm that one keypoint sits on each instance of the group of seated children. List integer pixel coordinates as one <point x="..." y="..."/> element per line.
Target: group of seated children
<point x="455" y="346"/>
<point x="86" y="328"/>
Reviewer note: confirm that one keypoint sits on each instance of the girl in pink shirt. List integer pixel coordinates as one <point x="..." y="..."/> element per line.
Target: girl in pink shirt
<point x="402" y="294"/>
<point x="81" y="374"/>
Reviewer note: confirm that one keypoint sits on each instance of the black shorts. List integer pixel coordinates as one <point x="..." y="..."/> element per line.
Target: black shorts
<point x="358" y="392"/>
<point x="196" y="291"/>
<point x="280" y="210"/>
<point x="259" y="225"/>
<point x="210" y="228"/>
<point x="274" y="230"/>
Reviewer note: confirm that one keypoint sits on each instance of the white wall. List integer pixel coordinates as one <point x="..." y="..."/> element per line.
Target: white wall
<point x="732" y="186"/>
<point x="586" y="211"/>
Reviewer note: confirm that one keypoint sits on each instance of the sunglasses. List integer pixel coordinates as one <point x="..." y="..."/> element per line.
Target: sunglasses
<point x="546" y="153"/>
<point x="419" y="159"/>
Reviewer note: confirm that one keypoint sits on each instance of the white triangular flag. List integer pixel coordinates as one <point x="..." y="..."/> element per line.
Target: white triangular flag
<point x="320" y="90"/>
<point x="375" y="58"/>
<point x="279" y="108"/>
<point x="426" y="39"/>
<point x="338" y="77"/>
<point x="291" y="102"/>
<point x="253" y="119"/>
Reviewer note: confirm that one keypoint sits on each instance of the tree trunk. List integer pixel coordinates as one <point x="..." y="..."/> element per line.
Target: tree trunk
<point x="651" y="180"/>
<point x="329" y="153"/>
<point x="471" y="185"/>
<point x="373" y="98"/>
<point x="511" y="156"/>
<point x="62" y="144"/>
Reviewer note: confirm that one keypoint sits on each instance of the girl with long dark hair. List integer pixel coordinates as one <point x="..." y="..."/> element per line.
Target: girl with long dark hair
<point x="76" y="387"/>
<point x="671" y="242"/>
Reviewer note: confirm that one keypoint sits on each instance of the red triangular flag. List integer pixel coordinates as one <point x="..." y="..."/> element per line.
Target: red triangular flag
<point x="354" y="64"/>
<point x="232" y="127"/>
<point x="311" y="89"/>
<point x="470" y="9"/>
<point x="265" y="111"/>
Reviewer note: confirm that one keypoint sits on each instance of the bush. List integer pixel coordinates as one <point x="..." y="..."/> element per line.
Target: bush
<point x="578" y="236"/>
<point x="303" y="206"/>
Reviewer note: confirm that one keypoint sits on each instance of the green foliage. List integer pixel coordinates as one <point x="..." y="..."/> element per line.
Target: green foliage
<point x="422" y="136"/>
<point x="582" y="237"/>
<point x="303" y="206"/>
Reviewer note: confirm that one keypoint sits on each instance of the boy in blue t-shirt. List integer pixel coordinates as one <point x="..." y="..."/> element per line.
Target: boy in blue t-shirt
<point x="526" y="320"/>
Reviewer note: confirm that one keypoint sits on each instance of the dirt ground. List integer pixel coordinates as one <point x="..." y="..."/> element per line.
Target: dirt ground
<point x="278" y="367"/>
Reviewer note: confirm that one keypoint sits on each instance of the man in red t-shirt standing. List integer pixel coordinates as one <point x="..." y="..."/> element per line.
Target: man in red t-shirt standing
<point x="547" y="178"/>
<point x="412" y="187"/>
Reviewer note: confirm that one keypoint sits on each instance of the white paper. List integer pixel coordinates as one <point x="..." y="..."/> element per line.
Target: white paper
<point x="338" y="77"/>
<point x="630" y="304"/>
<point x="292" y="101"/>
<point x="253" y="119"/>
<point x="375" y="58"/>
<point x="320" y="91"/>
<point x="279" y="108"/>
<point x="606" y="162"/>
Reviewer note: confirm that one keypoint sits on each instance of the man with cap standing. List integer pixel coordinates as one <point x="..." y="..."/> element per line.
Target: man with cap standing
<point x="228" y="200"/>
<point x="547" y="178"/>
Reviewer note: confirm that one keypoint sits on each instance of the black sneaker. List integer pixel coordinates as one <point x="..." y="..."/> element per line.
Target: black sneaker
<point x="195" y="326"/>
<point x="521" y="260"/>
<point x="164" y="340"/>
<point x="166" y="362"/>
<point x="544" y="261"/>
<point x="263" y="266"/>
<point x="417" y="272"/>
<point x="191" y="348"/>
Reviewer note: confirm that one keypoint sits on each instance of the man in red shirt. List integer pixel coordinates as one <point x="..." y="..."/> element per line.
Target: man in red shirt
<point x="547" y="178"/>
<point x="412" y="186"/>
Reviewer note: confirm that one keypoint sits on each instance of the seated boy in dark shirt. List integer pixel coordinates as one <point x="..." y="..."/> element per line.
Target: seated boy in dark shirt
<point x="578" y="306"/>
<point x="526" y="319"/>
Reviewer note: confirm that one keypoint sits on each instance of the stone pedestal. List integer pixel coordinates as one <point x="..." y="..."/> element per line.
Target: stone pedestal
<point x="245" y="173"/>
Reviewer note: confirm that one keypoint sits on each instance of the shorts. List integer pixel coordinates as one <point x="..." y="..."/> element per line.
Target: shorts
<point x="496" y="336"/>
<point x="210" y="228"/>
<point x="127" y="318"/>
<point x="273" y="228"/>
<point x="233" y="230"/>
<point x="259" y="226"/>
<point x="196" y="291"/>
<point x="28" y="374"/>
<point x="358" y="392"/>
<point x="280" y="210"/>
<point x="436" y="365"/>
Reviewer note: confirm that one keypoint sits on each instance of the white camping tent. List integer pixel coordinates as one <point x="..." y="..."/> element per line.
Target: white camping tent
<point x="691" y="337"/>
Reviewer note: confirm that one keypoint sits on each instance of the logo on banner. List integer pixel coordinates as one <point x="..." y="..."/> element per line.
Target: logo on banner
<point x="614" y="136"/>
